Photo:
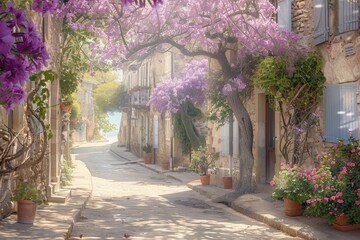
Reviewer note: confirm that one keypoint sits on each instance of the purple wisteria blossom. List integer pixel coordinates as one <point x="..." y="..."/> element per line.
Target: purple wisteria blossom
<point x="22" y="53"/>
<point x="226" y="89"/>
<point x="235" y="84"/>
<point x="45" y="6"/>
<point x="191" y="85"/>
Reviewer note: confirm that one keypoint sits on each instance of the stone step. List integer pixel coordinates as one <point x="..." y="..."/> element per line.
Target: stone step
<point x="60" y="196"/>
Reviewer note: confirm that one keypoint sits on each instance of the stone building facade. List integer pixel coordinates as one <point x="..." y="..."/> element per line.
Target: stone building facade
<point x="50" y="29"/>
<point x="147" y="125"/>
<point x="85" y="124"/>
<point x="332" y="29"/>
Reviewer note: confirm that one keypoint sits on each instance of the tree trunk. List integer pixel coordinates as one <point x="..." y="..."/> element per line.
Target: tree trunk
<point x="194" y="138"/>
<point x="245" y="141"/>
<point x="246" y="144"/>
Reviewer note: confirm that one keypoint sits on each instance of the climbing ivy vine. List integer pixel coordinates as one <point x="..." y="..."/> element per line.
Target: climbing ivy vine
<point x="295" y="91"/>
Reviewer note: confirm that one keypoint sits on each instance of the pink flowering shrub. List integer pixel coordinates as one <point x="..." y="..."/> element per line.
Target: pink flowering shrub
<point x="203" y="160"/>
<point x="292" y="183"/>
<point x="338" y="179"/>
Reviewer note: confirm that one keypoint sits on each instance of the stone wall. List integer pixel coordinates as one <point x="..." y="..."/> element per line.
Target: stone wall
<point x="338" y="68"/>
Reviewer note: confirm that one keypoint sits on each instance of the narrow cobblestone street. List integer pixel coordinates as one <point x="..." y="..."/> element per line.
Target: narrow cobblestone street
<point x="130" y="201"/>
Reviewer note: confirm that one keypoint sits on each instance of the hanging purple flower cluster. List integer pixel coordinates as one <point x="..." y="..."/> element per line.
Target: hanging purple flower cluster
<point x="191" y="85"/>
<point x="235" y="84"/>
<point x="22" y="53"/>
<point x="44" y="6"/>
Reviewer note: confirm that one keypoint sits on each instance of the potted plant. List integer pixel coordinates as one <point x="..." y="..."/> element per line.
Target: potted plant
<point x="27" y="197"/>
<point x="147" y="148"/>
<point x="75" y="112"/>
<point x="202" y="161"/>
<point x="227" y="182"/>
<point x="339" y="198"/>
<point x="66" y="103"/>
<point x="292" y="186"/>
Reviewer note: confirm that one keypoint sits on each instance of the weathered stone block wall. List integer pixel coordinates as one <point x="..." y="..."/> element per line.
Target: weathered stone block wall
<point x="338" y="68"/>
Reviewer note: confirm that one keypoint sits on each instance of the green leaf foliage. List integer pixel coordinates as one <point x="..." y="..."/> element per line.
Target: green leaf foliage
<point x="219" y="110"/>
<point x="107" y="96"/>
<point x="300" y="86"/>
<point x="74" y="61"/>
<point x="27" y="191"/>
<point x="180" y="133"/>
<point x="41" y="99"/>
<point x="102" y="123"/>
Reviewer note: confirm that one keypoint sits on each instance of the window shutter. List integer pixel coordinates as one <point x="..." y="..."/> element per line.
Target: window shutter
<point x="225" y="139"/>
<point x="341" y="113"/>
<point x="156" y="132"/>
<point x="321" y="21"/>
<point x="348" y="15"/>
<point x="146" y="129"/>
<point x="349" y="113"/>
<point x="284" y="14"/>
<point x="332" y="119"/>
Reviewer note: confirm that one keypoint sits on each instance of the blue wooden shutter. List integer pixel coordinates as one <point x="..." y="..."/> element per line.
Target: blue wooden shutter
<point x="332" y="107"/>
<point x="321" y="21"/>
<point x="284" y="14"/>
<point x="349" y="114"/>
<point x="341" y="114"/>
<point x="348" y="15"/>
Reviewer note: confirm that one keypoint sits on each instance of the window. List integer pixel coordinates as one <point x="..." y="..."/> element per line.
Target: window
<point x="225" y="139"/>
<point x="284" y="14"/>
<point x="156" y="131"/>
<point x="168" y="129"/>
<point x="321" y="21"/>
<point x="348" y="11"/>
<point x="341" y="113"/>
<point x="168" y="63"/>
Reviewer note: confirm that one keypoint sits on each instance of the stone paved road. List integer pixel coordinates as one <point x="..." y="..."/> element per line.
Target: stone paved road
<point x="132" y="202"/>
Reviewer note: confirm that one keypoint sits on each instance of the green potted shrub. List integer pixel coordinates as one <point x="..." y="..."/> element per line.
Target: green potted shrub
<point x="292" y="186"/>
<point x="27" y="197"/>
<point x="147" y="148"/>
<point x="202" y="161"/>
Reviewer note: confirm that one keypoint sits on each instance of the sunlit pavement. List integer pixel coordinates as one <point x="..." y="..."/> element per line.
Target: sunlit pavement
<point x="130" y="201"/>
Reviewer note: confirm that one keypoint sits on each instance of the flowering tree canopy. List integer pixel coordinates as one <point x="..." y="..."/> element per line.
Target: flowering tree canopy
<point x="22" y="53"/>
<point x="198" y="27"/>
<point x="232" y="33"/>
<point x="190" y="85"/>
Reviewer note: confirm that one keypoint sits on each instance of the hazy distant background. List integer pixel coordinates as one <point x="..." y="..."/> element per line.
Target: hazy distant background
<point x="115" y="118"/>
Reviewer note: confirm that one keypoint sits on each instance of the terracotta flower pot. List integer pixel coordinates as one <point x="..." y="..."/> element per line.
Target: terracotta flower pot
<point x="74" y="120"/>
<point x="65" y="108"/>
<point x="292" y="208"/>
<point x="205" y="179"/>
<point x="26" y="211"/>
<point x="342" y="225"/>
<point x="147" y="158"/>
<point x="227" y="181"/>
<point x="341" y="220"/>
<point x="165" y="165"/>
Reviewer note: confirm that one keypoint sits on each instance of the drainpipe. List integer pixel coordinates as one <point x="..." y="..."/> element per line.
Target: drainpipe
<point x="172" y="125"/>
<point x="231" y="143"/>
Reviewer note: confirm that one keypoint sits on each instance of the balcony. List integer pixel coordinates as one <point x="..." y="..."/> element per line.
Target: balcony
<point x="124" y="100"/>
<point x="140" y="97"/>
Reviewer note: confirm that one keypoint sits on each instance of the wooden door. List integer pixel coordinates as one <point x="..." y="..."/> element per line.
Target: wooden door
<point x="270" y="142"/>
